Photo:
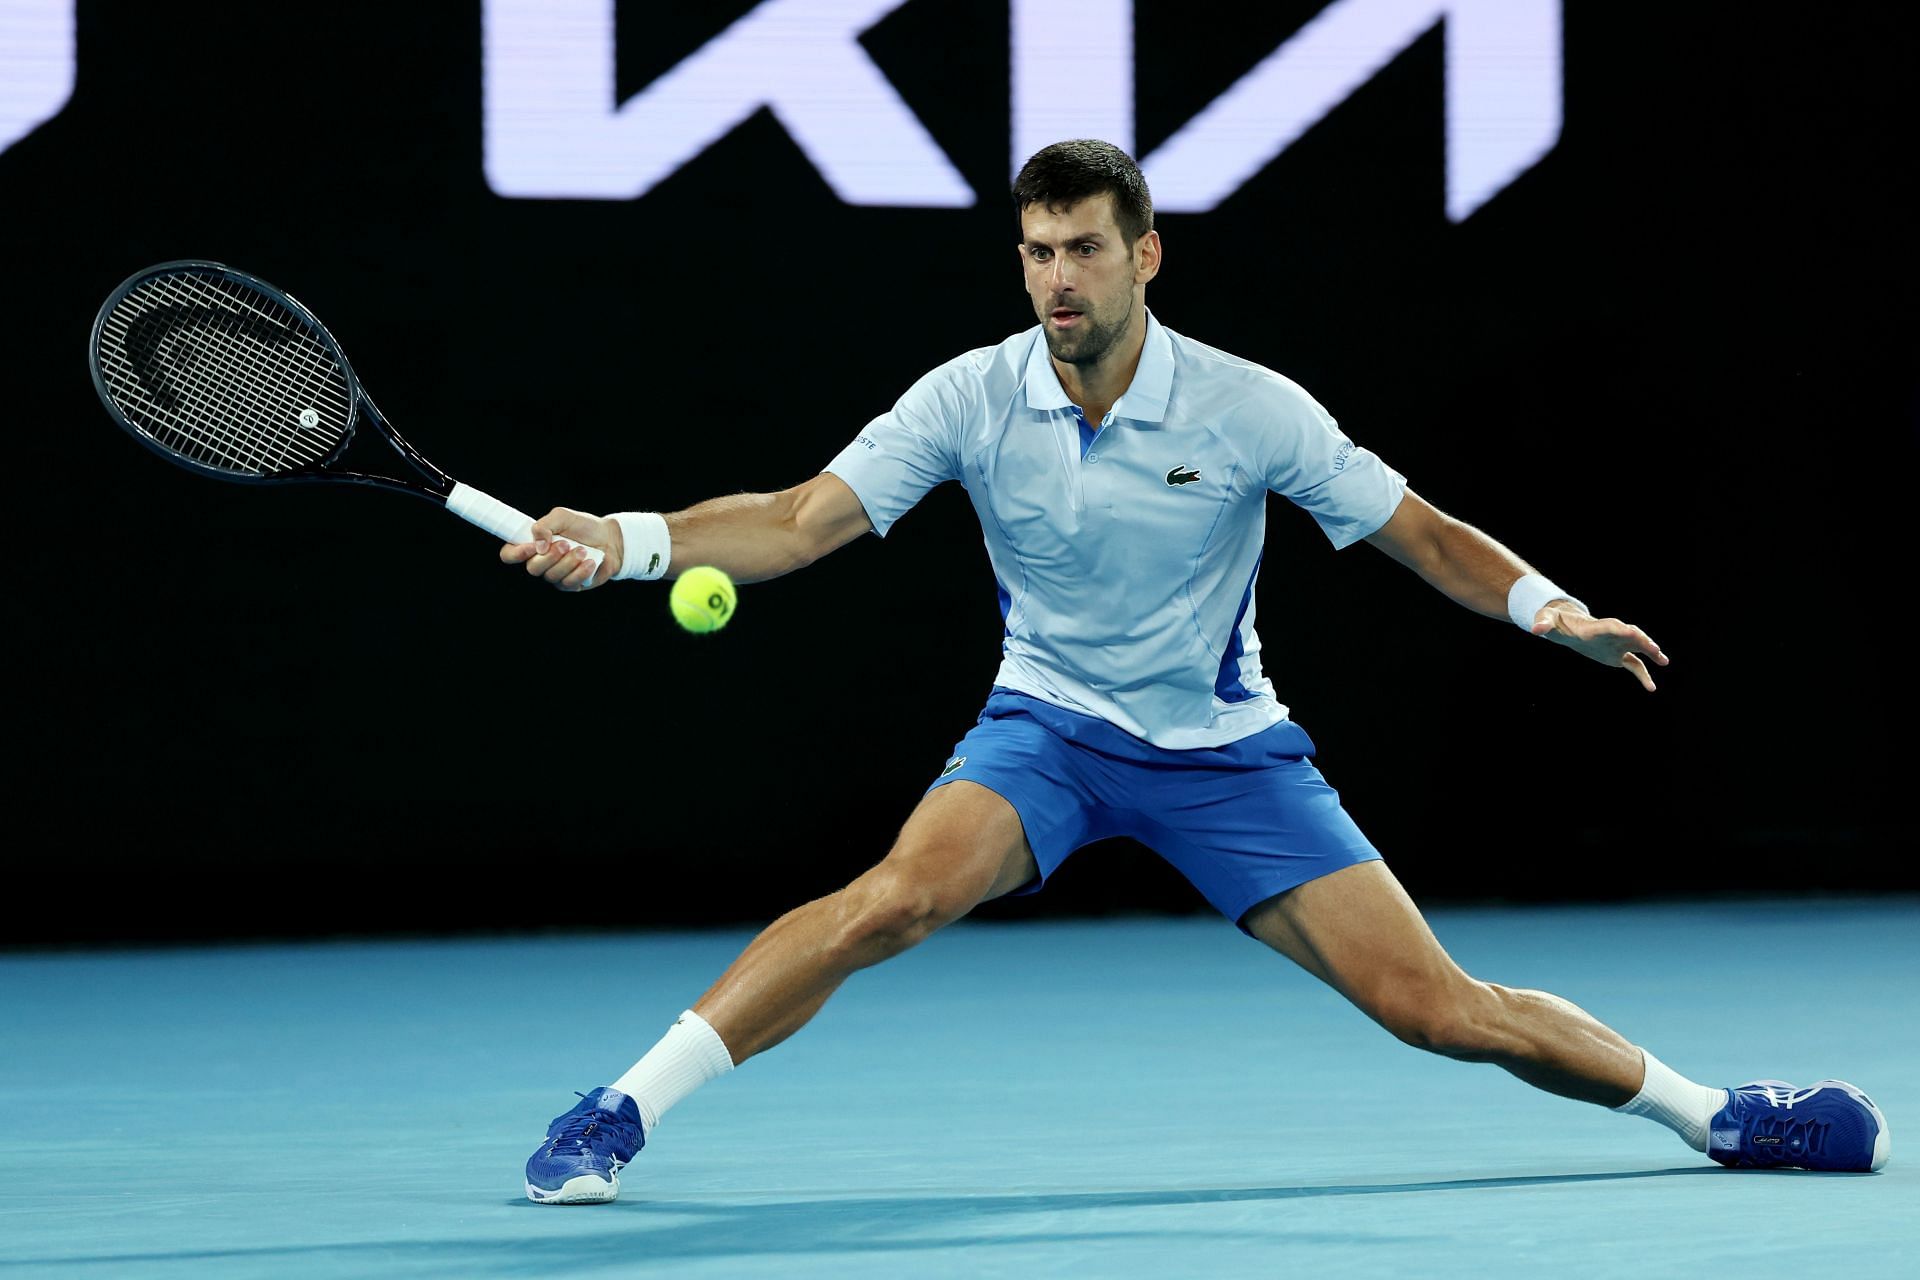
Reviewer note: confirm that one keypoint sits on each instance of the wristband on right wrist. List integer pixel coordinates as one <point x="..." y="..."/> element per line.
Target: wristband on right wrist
<point x="647" y="546"/>
<point x="1532" y="591"/>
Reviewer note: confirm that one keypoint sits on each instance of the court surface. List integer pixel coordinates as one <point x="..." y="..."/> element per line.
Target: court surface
<point x="1109" y="1098"/>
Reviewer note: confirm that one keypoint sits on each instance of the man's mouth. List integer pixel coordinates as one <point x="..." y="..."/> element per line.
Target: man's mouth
<point x="1063" y="317"/>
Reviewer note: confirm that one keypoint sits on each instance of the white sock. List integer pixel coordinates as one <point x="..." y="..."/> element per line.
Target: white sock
<point x="689" y="1055"/>
<point x="1676" y="1102"/>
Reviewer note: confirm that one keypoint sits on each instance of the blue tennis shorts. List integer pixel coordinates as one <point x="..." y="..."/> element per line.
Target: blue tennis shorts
<point x="1242" y="822"/>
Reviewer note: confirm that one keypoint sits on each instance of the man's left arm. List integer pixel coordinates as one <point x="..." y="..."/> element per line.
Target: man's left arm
<point x="1473" y="570"/>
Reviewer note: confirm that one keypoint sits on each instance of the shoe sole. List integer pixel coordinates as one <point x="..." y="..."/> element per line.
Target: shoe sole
<point x="585" y="1189"/>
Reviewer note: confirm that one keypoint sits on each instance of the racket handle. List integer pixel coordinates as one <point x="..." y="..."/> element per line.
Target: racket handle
<point x="506" y="523"/>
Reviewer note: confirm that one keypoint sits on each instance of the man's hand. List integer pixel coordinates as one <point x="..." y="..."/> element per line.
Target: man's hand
<point x="1605" y="640"/>
<point x="555" y="554"/>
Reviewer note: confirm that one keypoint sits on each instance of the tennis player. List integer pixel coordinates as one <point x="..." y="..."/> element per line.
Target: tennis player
<point x="1120" y="472"/>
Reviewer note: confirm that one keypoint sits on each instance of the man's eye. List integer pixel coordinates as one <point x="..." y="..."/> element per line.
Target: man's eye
<point x="1041" y="255"/>
<point x="1084" y="250"/>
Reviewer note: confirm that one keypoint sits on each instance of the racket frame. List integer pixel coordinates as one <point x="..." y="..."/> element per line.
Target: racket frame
<point x="481" y="509"/>
<point x="360" y="405"/>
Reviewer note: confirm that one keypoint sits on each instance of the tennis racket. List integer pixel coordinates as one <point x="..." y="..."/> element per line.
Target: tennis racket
<point x="227" y="376"/>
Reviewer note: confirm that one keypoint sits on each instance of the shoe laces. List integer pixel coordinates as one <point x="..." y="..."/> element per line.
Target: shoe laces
<point x="579" y="1126"/>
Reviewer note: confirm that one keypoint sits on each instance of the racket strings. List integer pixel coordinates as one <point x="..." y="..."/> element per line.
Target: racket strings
<point x="204" y="395"/>
<point x="192" y="418"/>
<point x="223" y="375"/>
<point x="195" y="435"/>
<point x="248" y="390"/>
<point x="237" y="404"/>
<point x="215" y="397"/>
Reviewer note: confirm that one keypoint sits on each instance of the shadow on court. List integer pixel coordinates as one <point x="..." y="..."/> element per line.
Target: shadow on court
<point x="659" y="1230"/>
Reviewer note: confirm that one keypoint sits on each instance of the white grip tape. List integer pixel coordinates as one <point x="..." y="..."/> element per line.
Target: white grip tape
<point x="502" y="521"/>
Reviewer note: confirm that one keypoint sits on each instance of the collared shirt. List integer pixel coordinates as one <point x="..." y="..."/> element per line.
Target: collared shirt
<point x="1126" y="550"/>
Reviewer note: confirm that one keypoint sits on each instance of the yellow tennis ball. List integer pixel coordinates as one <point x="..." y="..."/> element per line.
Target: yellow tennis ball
<point x="702" y="599"/>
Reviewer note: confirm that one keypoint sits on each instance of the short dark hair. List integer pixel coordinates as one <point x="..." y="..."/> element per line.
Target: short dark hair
<point x="1068" y="172"/>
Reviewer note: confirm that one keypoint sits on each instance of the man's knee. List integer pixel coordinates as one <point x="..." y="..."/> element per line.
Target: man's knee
<point x="1456" y="1017"/>
<point x="898" y="905"/>
<point x="892" y="908"/>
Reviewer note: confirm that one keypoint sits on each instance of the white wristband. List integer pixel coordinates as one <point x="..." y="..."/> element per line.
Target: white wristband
<point x="1525" y="597"/>
<point x="648" y="549"/>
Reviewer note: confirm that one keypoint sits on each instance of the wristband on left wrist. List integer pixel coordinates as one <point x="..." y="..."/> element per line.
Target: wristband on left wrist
<point x="1533" y="592"/>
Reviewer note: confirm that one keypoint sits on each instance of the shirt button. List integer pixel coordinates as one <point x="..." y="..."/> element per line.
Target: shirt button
<point x="1093" y="457"/>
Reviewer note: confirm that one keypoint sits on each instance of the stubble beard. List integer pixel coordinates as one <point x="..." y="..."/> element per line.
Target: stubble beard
<point x="1093" y="341"/>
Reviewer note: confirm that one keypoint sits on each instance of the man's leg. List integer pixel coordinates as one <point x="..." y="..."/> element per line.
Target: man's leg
<point x="962" y="846"/>
<point x="1358" y="931"/>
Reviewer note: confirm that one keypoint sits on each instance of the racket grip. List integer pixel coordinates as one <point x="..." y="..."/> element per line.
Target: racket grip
<point x="509" y="524"/>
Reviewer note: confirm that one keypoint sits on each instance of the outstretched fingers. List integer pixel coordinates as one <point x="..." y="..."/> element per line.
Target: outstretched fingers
<point x="1644" y="643"/>
<point x="1640" y="646"/>
<point x="1634" y="649"/>
<point x="1605" y="640"/>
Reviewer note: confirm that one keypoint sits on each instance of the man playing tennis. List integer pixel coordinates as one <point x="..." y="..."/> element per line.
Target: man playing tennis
<point x="1111" y="459"/>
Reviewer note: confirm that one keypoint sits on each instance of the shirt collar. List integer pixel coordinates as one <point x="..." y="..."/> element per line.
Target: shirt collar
<point x="1145" y="399"/>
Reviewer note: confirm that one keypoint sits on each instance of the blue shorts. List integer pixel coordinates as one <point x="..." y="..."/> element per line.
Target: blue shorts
<point x="1242" y="822"/>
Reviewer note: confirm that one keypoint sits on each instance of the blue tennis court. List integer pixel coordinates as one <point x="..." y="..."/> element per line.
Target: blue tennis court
<point x="1108" y="1098"/>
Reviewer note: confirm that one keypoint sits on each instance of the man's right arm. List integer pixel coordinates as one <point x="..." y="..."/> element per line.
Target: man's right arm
<point x="749" y="536"/>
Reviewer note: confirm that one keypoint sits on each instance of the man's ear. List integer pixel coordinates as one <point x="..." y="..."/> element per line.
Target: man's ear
<point x="1146" y="257"/>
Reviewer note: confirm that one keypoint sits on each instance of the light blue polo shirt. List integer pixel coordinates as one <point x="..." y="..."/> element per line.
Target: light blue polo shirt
<point x="1126" y="553"/>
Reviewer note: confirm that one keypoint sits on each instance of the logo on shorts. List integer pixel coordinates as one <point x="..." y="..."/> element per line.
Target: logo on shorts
<point x="1182" y="475"/>
<point x="953" y="764"/>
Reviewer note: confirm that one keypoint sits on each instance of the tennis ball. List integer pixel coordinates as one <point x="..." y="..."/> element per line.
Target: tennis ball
<point x="702" y="599"/>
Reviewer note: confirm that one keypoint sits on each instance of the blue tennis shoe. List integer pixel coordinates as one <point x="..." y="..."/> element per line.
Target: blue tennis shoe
<point x="580" y="1161"/>
<point x="1828" y="1125"/>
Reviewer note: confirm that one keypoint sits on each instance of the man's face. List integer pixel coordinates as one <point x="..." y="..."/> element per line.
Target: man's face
<point x="1083" y="276"/>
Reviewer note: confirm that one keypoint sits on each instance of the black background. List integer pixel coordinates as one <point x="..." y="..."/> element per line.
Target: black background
<point x="1672" y="365"/>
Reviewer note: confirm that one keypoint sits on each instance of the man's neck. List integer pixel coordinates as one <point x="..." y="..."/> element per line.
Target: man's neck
<point x="1096" y="387"/>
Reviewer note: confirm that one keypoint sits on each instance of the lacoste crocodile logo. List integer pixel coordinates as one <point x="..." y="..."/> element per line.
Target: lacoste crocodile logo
<point x="1181" y="475"/>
